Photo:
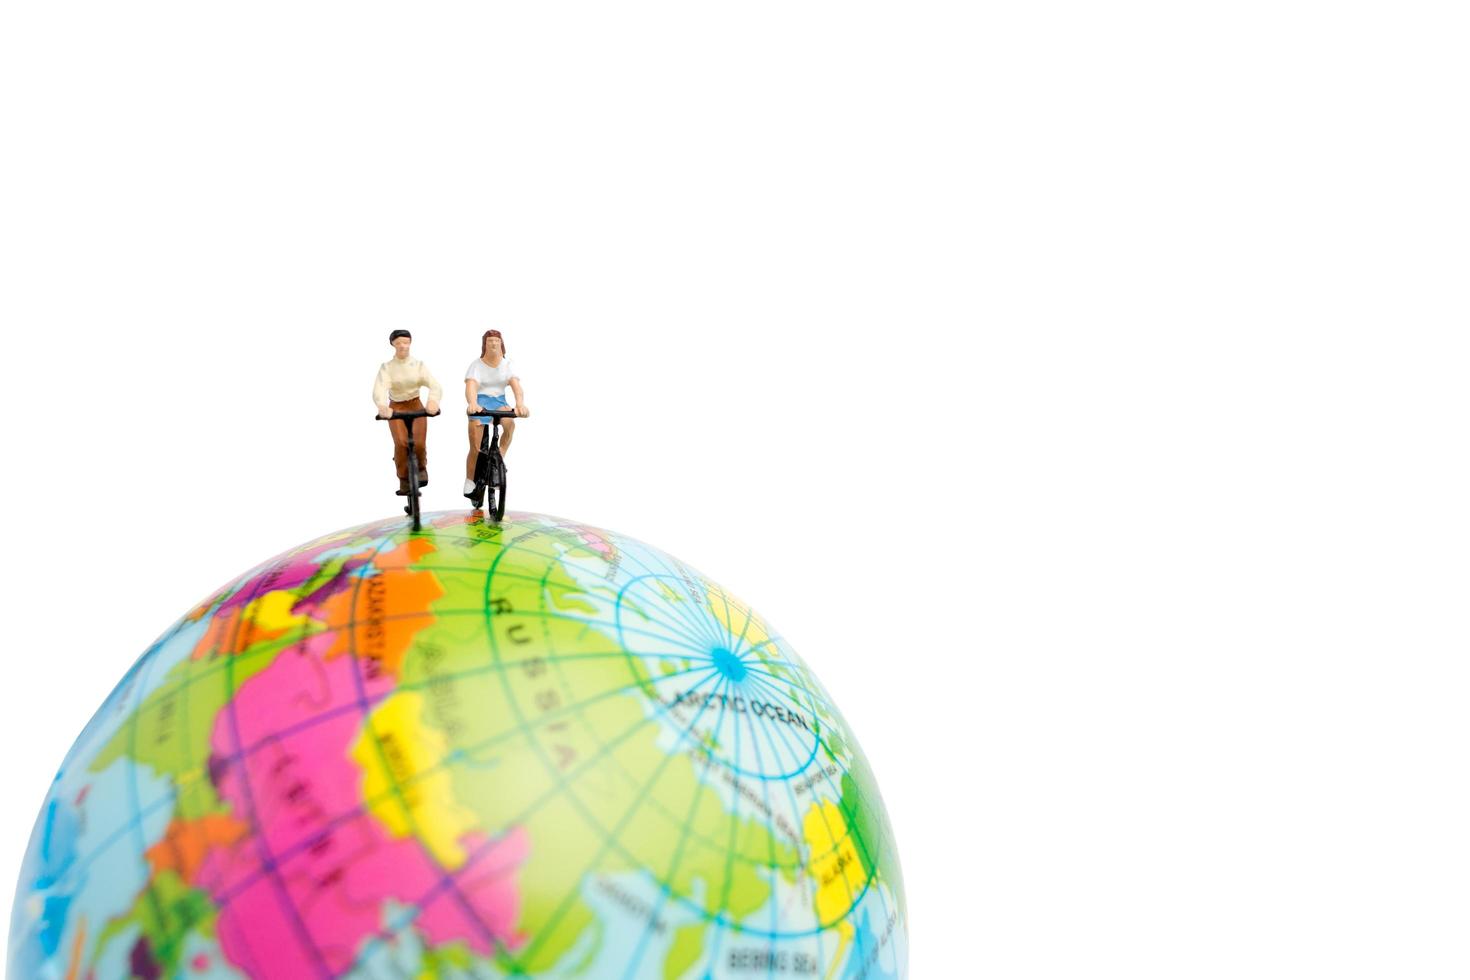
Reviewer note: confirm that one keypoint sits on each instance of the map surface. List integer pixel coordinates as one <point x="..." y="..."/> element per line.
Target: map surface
<point x="536" y="748"/>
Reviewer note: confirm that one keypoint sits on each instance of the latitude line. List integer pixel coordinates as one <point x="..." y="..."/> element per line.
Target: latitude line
<point x="180" y="688"/>
<point x="608" y="843"/>
<point x="678" y="569"/>
<point x="300" y="727"/>
<point x="674" y="567"/>
<point x="278" y="644"/>
<point x="632" y="548"/>
<point x="692" y="634"/>
<point x="850" y="817"/>
<point x="694" y="620"/>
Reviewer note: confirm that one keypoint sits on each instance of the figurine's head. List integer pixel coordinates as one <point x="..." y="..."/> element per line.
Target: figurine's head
<point x="400" y="339"/>
<point x="492" y="343"/>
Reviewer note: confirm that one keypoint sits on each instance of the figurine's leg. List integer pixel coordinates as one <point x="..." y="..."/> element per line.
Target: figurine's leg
<point x="400" y="447"/>
<point x="421" y="446"/>
<point x="510" y="427"/>
<point x="469" y="461"/>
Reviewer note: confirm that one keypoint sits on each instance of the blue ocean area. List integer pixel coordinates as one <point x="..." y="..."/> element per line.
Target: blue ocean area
<point x="873" y="954"/>
<point x="99" y="841"/>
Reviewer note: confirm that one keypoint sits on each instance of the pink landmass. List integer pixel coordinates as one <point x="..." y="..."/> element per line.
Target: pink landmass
<point x="597" y="543"/>
<point x="291" y="575"/>
<point x="301" y="896"/>
<point x="345" y="578"/>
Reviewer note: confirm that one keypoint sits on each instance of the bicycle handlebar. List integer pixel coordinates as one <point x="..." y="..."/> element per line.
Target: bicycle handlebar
<point x="499" y="413"/>
<point x="406" y="415"/>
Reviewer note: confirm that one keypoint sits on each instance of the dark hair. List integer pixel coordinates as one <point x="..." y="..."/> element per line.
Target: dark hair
<point x="399" y="333"/>
<point x="485" y="340"/>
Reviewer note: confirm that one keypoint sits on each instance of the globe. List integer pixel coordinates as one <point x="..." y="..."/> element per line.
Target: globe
<point x="532" y="748"/>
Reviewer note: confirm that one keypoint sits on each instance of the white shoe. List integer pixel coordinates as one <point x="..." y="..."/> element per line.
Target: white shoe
<point x="469" y="487"/>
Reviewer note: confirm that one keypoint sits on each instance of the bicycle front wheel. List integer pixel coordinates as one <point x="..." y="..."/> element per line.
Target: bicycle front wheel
<point x="413" y="493"/>
<point x="498" y="506"/>
<point x="481" y="478"/>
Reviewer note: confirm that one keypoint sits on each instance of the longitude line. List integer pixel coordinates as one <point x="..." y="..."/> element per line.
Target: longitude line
<point x="355" y="661"/>
<point x="268" y="861"/>
<point x="799" y="825"/>
<point x="692" y="620"/>
<point x="668" y="882"/>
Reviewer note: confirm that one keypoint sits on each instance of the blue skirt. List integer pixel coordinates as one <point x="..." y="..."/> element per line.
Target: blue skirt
<point x="491" y="403"/>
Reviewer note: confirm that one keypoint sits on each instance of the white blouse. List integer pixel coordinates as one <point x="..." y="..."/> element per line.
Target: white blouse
<point x="491" y="380"/>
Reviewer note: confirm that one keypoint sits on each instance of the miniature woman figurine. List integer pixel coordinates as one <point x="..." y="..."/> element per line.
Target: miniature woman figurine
<point x="485" y="382"/>
<point x="396" y="389"/>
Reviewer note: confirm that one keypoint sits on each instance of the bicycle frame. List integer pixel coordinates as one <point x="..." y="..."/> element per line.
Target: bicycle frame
<point x="407" y="418"/>
<point x="490" y="463"/>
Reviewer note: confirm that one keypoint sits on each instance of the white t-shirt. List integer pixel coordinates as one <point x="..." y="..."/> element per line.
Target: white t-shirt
<point x="491" y="380"/>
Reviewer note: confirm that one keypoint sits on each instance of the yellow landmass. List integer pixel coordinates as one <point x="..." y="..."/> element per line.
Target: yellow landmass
<point x="266" y="617"/>
<point x="394" y="748"/>
<point x="272" y="611"/>
<point x="836" y="870"/>
<point x="738" y="618"/>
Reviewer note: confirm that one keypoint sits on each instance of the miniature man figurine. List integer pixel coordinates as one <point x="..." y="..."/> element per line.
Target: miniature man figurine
<point x="396" y="389"/>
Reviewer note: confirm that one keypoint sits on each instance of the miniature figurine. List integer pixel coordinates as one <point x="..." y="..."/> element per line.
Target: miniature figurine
<point x="485" y="381"/>
<point x="396" y="389"/>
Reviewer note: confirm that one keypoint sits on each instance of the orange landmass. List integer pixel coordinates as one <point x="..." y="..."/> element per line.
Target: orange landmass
<point x="186" y="842"/>
<point x="234" y="632"/>
<point x="378" y="619"/>
<point x="76" y="951"/>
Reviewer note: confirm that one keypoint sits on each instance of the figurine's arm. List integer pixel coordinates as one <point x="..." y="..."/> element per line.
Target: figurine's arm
<point x="521" y="409"/>
<point x="380" y="393"/>
<point x="471" y="389"/>
<point x="435" y="392"/>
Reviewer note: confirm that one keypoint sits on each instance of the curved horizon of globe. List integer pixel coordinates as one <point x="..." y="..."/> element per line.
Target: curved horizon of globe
<point x="536" y="747"/>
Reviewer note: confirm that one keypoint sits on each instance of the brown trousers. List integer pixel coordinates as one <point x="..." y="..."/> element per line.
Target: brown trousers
<point x="400" y="438"/>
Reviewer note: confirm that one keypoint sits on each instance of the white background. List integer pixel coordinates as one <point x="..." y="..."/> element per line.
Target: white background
<point x="1080" y="388"/>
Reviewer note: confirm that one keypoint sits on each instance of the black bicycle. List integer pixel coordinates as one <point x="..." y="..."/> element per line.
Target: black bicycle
<point x="490" y="466"/>
<point x="412" y="507"/>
